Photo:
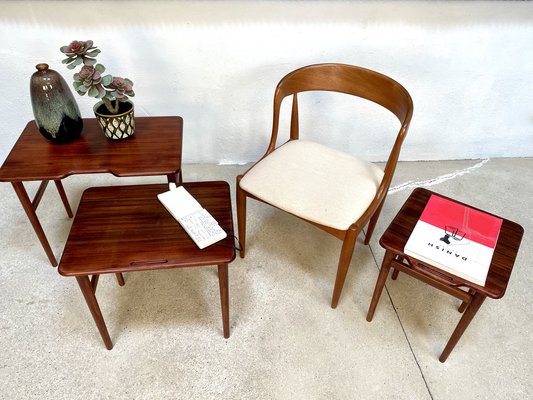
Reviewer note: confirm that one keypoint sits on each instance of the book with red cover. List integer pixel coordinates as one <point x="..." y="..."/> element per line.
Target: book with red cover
<point x="455" y="238"/>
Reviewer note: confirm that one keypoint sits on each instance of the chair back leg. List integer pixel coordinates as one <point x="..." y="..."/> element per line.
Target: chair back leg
<point x="241" y="216"/>
<point x="372" y="224"/>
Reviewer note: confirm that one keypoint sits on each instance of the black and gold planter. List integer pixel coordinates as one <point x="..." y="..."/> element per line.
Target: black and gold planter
<point x="116" y="126"/>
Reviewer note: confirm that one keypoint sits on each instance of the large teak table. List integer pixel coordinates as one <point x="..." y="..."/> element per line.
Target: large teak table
<point x="471" y="294"/>
<point x="154" y="149"/>
<point x="120" y="229"/>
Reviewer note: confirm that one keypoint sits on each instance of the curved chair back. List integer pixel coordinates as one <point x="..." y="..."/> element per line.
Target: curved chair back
<point x="352" y="80"/>
<point x="348" y="79"/>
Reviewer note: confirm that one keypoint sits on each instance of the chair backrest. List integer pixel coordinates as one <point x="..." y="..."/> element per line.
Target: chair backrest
<point x="353" y="80"/>
<point x="347" y="79"/>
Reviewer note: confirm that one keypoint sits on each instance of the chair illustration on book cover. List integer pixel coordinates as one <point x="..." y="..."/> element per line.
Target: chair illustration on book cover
<point x="335" y="191"/>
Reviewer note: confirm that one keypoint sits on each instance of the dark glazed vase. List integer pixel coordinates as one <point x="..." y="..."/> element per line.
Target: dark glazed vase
<point x="56" y="113"/>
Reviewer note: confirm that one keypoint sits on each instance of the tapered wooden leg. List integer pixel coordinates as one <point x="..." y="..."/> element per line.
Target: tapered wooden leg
<point x="465" y="320"/>
<point x="120" y="279"/>
<point x="175" y="178"/>
<point x="30" y="212"/>
<point x="344" y="263"/>
<point x="94" y="282"/>
<point x="464" y="304"/>
<point x="63" y="196"/>
<point x="395" y="274"/>
<point x="39" y="194"/>
<point x="373" y="221"/>
<point x="241" y="216"/>
<point x="224" y="296"/>
<point x="382" y="278"/>
<point x="87" y="290"/>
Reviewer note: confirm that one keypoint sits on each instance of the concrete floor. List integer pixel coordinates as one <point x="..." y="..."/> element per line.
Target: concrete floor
<point x="286" y="342"/>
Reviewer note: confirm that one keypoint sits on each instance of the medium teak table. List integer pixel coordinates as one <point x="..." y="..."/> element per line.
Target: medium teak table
<point x="120" y="229"/>
<point x="154" y="149"/>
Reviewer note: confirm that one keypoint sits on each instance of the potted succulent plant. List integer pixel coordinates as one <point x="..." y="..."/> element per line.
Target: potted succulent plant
<point x="114" y="111"/>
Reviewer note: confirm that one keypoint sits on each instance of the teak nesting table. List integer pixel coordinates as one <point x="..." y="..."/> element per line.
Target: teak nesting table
<point x="154" y="149"/>
<point x="397" y="234"/>
<point x="120" y="229"/>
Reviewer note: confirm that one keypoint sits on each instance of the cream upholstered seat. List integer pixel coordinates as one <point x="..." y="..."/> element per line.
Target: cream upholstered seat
<point x="332" y="190"/>
<point x="315" y="182"/>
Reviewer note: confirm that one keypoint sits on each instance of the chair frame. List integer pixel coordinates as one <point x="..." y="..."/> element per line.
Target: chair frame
<point x="352" y="80"/>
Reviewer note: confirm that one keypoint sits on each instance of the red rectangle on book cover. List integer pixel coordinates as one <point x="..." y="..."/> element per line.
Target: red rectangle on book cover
<point x="453" y="217"/>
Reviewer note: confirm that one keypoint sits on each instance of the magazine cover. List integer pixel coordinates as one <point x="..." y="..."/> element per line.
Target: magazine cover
<point x="455" y="238"/>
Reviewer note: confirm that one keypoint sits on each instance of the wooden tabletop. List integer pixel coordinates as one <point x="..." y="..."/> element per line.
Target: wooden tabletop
<point x="126" y="228"/>
<point x="154" y="149"/>
<point x="396" y="235"/>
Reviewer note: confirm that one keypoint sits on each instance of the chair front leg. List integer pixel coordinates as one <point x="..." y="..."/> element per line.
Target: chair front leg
<point x="348" y="246"/>
<point x="241" y="216"/>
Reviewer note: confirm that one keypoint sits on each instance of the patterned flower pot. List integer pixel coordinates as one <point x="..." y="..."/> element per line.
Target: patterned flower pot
<point x="116" y="126"/>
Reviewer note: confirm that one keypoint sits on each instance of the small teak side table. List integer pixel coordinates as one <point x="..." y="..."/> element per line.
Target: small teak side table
<point x="119" y="229"/>
<point x="154" y="149"/>
<point x="472" y="295"/>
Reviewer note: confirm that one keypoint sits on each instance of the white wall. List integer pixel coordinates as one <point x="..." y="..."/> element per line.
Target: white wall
<point x="468" y="66"/>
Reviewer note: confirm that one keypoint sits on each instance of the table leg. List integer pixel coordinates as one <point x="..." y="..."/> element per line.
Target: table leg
<point x="30" y="212"/>
<point x="224" y="297"/>
<point x="465" y="320"/>
<point x="94" y="282"/>
<point x="382" y="277"/>
<point x="175" y="178"/>
<point x="39" y="194"/>
<point x="464" y="304"/>
<point x="395" y="274"/>
<point x="63" y="196"/>
<point x="120" y="279"/>
<point x="90" y="298"/>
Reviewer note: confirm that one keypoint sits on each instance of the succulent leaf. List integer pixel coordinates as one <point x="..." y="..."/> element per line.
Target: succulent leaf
<point x="106" y="80"/>
<point x="89" y="61"/>
<point x="81" y="89"/>
<point x="93" y="91"/>
<point x="99" y="67"/>
<point x="93" y="53"/>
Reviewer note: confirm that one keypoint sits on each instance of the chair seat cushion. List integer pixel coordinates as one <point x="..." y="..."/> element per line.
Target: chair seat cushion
<point x="315" y="182"/>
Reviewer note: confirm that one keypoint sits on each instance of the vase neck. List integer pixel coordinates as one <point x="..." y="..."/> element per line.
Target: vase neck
<point x="42" y="67"/>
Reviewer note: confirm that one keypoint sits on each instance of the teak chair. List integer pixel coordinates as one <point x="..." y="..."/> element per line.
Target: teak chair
<point x="332" y="190"/>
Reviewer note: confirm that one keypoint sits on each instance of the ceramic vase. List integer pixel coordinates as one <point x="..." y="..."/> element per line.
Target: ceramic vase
<point x="56" y="113"/>
<point x="116" y="126"/>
